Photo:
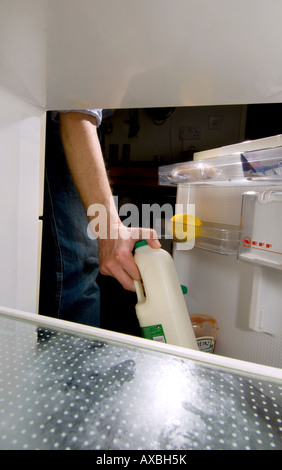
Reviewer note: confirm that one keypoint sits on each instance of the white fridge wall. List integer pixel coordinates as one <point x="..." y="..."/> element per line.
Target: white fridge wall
<point x="111" y="54"/>
<point x="22" y="151"/>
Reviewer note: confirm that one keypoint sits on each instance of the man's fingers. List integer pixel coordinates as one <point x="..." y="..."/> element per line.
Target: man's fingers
<point x="116" y="255"/>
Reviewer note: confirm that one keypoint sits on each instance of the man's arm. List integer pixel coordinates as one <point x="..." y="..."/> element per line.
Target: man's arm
<point x="85" y="160"/>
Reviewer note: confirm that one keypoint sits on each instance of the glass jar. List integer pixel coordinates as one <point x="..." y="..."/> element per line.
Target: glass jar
<point x="205" y="329"/>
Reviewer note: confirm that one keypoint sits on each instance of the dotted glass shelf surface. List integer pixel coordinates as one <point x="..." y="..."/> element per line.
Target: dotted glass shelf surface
<point x="66" y="391"/>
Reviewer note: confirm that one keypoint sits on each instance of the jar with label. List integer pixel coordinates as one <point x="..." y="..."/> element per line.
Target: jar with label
<point x="205" y="329"/>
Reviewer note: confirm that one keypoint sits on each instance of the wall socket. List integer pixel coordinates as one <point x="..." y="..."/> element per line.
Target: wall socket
<point x="190" y="133"/>
<point x="215" y="123"/>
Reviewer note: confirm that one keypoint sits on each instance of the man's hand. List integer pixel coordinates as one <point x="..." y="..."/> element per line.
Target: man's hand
<point x="115" y="254"/>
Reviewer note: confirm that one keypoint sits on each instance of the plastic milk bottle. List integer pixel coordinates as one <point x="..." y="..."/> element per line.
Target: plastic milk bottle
<point x="161" y="308"/>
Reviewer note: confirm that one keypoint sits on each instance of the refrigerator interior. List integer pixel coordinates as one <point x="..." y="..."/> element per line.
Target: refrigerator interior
<point x="36" y="78"/>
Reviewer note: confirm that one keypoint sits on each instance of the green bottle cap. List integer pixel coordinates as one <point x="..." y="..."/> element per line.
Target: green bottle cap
<point x="184" y="289"/>
<point x="140" y="243"/>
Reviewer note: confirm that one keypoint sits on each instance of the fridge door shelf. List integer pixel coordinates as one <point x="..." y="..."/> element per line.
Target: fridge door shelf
<point x="262" y="163"/>
<point x="218" y="238"/>
<point x="261" y="228"/>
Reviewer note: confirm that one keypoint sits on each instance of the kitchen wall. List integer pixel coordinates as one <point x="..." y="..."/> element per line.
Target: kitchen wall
<point x="186" y="130"/>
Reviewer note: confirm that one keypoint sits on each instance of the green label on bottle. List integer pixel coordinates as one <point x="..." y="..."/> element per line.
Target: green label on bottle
<point x="206" y="344"/>
<point x="154" y="332"/>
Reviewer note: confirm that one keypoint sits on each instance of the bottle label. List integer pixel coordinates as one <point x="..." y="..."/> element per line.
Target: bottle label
<point x="206" y="344"/>
<point x="154" y="332"/>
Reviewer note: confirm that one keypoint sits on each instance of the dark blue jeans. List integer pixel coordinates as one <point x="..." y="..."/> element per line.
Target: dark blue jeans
<point x="69" y="263"/>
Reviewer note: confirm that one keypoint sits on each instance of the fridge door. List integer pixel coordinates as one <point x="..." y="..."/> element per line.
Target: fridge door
<point x="239" y="287"/>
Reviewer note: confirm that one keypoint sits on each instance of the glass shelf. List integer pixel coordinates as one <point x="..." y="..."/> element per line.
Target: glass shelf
<point x="62" y="389"/>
